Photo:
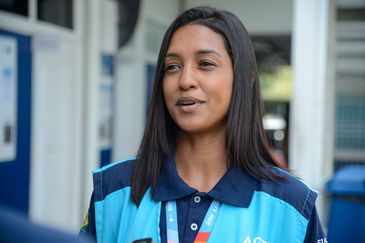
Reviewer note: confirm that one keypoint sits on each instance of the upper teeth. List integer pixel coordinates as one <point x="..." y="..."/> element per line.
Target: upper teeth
<point x="187" y="103"/>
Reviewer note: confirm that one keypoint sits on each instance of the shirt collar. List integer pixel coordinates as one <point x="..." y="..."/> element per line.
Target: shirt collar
<point x="236" y="187"/>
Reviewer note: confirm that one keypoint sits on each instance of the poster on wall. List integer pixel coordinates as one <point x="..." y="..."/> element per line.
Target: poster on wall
<point x="8" y="98"/>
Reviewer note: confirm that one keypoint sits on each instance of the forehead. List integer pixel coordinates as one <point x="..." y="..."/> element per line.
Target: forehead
<point x="195" y="37"/>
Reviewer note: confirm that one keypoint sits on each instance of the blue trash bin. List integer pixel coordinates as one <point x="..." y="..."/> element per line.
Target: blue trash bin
<point x="347" y="213"/>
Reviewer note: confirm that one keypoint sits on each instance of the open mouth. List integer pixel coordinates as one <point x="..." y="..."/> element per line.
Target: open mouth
<point x="188" y="104"/>
<point x="187" y="101"/>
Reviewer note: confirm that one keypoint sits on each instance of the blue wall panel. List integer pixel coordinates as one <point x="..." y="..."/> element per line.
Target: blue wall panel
<point x="14" y="175"/>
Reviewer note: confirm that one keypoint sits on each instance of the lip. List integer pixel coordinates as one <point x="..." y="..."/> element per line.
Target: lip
<point x="188" y="104"/>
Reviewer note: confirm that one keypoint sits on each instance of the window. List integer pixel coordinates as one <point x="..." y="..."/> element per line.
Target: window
<point x="15" y="6"/>
<point x="59" y="12"/>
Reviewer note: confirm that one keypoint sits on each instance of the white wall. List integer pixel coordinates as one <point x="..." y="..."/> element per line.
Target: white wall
<point x="101" y="31"/>
<point x="312" y="105"/>
<point x="56" y="137"/>
<point x="56" y="125"/>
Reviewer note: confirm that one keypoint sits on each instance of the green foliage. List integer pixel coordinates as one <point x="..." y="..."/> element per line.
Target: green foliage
<point x="277" y="86"/>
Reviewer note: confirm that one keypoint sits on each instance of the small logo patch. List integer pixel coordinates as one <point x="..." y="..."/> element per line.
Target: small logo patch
<point x="255" y="240"/>
<point x="85" y="223"/>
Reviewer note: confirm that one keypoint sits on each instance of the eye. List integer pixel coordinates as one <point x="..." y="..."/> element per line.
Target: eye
<point x="169" y="68"/>
<point x="206" y="64"/>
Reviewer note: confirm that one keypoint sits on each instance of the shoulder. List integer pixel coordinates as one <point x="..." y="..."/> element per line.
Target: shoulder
<point x="112" y="177"/>
<point x="291" y="190"/>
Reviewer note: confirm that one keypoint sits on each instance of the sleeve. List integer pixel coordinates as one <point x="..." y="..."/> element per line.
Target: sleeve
<point x="314" y="229"/>
<point x="88" y="226"/>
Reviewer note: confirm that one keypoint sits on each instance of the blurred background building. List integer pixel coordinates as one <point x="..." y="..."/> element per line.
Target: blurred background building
<point x="76" y="76"/>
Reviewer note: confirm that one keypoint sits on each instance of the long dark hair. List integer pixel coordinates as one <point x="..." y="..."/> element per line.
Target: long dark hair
<point x="246" y="142"/>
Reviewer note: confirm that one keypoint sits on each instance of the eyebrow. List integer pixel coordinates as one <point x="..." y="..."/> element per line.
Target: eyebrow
<point x="208" y="51"/>
<point x="172" y="54"/>
<point x="198" y="53"/>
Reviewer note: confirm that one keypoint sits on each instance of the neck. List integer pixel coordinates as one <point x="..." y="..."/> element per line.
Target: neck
<point x="201" y="161"/>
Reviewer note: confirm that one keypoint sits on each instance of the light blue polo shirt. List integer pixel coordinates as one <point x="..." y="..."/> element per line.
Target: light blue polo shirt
<point x="252" y="210"/>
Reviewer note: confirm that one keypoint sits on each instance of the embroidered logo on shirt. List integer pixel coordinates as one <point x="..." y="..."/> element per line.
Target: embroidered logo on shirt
<point x="255" y="240"/>
<point x="324" y="240"/>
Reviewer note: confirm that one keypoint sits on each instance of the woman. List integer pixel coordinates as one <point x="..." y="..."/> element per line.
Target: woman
<point x="203" y="171"/>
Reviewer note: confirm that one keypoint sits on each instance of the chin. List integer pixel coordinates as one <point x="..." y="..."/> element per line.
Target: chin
<point x="190" y="129"/>
<point x="199" y="127"/>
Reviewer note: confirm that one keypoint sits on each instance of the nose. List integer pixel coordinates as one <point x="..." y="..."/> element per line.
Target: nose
<point x="187" y="78"/>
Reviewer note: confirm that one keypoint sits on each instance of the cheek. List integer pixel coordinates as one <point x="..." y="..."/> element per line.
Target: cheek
<point x="226" y="89"/>
<point x="226" y="100"/>
<point x="226" y="96"/>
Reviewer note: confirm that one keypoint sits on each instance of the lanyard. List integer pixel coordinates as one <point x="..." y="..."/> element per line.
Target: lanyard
<point x="205" y="229"/>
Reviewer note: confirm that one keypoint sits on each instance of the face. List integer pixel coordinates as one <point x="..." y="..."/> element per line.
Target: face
<point x="198" y="79"/>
